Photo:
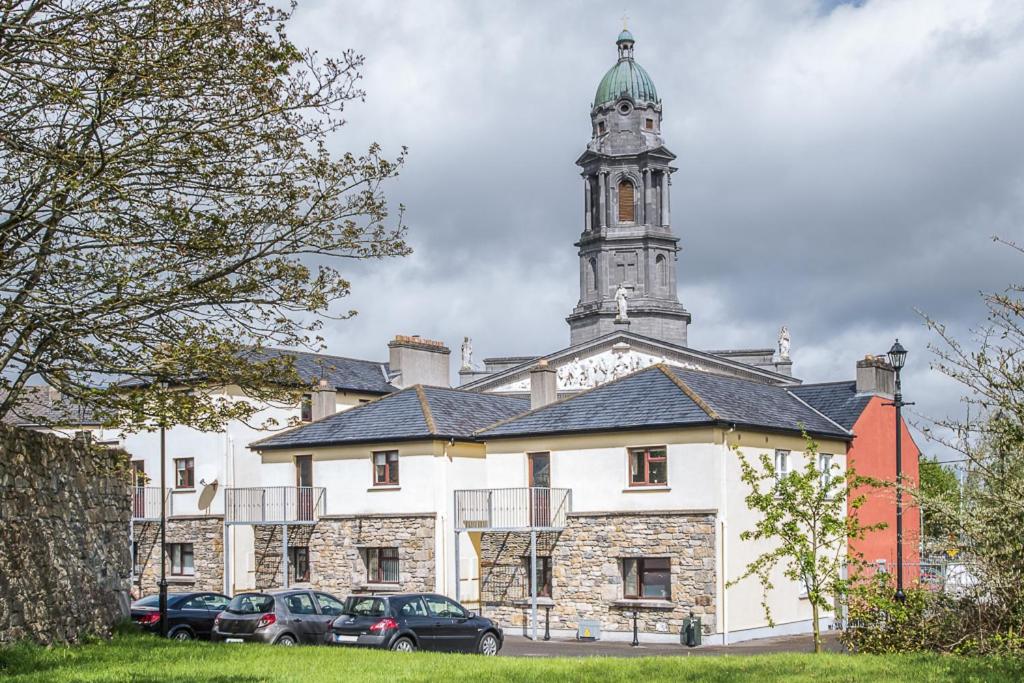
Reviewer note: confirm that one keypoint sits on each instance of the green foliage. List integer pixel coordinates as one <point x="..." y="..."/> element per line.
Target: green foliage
<point x="938" y="493"/>
<point x="146" y="658"/>
<point x="804" y="516"/>
<point x="168" y="201"/>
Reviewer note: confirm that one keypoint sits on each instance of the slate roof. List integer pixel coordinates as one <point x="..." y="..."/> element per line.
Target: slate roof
<point x="344" y="374"/>
<point x="418" y="412"/>
<point x="45" y="406"/>
<point x="839" y="400"/>
<point x="663" y="396"/>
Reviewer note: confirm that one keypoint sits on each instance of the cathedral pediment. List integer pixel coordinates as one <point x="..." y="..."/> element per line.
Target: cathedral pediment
<point x="613" y="356"/>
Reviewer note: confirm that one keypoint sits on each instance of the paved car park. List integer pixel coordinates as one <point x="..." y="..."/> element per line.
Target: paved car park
<point x="519" y="646"/>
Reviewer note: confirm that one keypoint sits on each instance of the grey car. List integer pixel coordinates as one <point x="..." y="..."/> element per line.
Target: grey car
<point x="281" y="617"/>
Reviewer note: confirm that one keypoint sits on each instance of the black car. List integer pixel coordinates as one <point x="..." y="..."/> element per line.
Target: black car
<point x="189" y="615"/>
<point x="415" y="621"/>
<point x="280" y="617"/>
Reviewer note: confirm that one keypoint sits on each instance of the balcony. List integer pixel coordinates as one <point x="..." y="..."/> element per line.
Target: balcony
<point x="146" y="503"/>
<point x="274" y="505"/>
<point x="514" y="509"/>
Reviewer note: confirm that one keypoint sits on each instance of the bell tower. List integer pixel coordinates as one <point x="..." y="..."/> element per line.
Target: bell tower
<point x="627" y="249"/>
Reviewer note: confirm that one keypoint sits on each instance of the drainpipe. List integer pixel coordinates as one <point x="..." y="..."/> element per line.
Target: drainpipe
<point x="724" y="528"/>
<point x="226" y="545"/>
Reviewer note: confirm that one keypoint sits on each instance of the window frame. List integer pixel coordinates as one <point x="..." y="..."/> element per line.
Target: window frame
<point x="825" y="461"/>
<point x="190" y="470"/>
<point x="294" y="552"/>
<point x="782" y="455"/>
<point x="631" y="205"/>
<point x="545" y="585"/>
<point x="391" y="469"/>
<point x="177" y="566"/>
<point x="646" y="450"/>
<point x="375" y="569"/>
<point x="641" y="572"/>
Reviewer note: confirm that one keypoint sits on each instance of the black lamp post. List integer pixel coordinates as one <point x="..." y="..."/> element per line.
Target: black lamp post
<point x="897" y="359"/>
<point x="163" y="534"/>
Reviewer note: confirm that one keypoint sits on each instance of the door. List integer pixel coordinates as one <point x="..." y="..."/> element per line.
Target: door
<point x="306" y="621"/>
<point x="304" y="482"/>
<point x="138" y="491"/>
<point x="412" y="614"/>
<point x="540" y="489"/>
<point x="453" y="630"/>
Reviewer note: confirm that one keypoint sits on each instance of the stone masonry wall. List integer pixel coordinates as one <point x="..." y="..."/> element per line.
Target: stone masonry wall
<point x="587" y="571"/>
<point x="337" y="559"/>
<point x="64" y="560"/>
<point x="206" y="534"/>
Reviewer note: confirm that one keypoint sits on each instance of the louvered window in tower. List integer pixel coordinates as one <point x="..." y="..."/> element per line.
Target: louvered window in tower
<point x="627" y="208"/>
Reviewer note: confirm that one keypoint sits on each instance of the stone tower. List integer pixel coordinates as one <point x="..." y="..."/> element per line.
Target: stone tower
<point x="627" y="236"/>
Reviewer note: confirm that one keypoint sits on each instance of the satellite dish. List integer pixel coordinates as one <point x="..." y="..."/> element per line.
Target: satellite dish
<point x="206" y="497"/>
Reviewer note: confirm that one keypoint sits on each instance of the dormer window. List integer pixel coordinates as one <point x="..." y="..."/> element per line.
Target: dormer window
<point x="600" y="127"/>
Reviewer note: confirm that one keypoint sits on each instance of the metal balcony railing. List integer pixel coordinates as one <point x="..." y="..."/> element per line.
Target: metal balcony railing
<point x="512" y="509"/>
<point x="146" y="503"/>
<point x="274" y="504"/>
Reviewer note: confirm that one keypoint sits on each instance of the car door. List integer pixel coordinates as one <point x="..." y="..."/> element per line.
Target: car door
<point x="304" y="617"/>
<point x="193" y="613"/>
<point x="453" y="630"/>
<point x="411" y="613"/>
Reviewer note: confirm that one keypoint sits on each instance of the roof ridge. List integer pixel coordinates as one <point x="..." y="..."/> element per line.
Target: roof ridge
<point x="562" y="400"/>
<point x="428" y="415"/>
<point x="813" y="409"/>
<point x="303" y="425"/>
<point x="324" y="355"/>
<point x="823" y="384"/>
<point x="693" y="395"/>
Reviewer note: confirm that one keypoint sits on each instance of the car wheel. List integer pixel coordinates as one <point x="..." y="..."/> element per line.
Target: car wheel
<point x="285" y="640"/>
<point x="182" y="634"/>
<point x="403" y="644"/>
<point x="489" y="645"/>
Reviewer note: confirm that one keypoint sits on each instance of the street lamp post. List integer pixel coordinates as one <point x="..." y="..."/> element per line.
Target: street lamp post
<point x="163" y="534"/>
<point x="897" y="359"/>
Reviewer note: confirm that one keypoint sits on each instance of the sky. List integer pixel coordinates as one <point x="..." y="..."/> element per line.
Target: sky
<point x="842" y="168"/>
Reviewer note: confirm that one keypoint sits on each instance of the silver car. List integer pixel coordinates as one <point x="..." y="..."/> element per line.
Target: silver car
<point x="281" y="617"/>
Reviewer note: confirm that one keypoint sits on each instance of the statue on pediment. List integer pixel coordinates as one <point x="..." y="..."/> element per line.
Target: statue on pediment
<point x="620" y="302"/>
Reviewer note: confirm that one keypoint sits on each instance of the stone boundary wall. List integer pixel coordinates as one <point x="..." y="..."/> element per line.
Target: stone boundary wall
<point x="205" y="533"/>
<point x="64" y="553"/>
<point x="337" y="561"/>
<point x="586" y="568"/>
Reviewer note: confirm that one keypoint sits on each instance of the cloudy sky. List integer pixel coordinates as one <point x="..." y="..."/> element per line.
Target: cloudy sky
<point x="840" y="165"/>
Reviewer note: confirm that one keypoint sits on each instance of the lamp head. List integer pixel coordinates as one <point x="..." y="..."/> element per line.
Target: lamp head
<point x="897" y="356"/>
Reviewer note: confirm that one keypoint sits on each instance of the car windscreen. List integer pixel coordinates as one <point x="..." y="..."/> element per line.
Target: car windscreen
<point x="251" y="603"/>
<point x="365" y="607"/>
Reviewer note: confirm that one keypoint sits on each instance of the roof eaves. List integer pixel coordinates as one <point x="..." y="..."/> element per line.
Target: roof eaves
<point x="694" y="396"/>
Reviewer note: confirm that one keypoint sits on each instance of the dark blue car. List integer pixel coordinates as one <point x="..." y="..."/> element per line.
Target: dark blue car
<point x="189" y="615"/>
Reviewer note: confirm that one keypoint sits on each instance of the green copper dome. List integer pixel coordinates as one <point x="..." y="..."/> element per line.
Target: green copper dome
<point x="626" y="77"/>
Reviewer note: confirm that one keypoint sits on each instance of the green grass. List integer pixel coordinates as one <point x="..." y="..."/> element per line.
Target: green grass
<point x="146" y="658"/>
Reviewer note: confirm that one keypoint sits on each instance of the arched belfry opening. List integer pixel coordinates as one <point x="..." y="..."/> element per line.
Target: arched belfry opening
<point x="627" y="201"/>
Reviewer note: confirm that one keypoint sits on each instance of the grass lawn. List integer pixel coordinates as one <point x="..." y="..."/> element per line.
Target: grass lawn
<point x="146" y="658"/>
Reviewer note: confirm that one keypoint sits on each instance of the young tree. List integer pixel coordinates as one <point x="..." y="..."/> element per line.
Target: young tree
<point x="804" y="518"/>
<point x="938" y="493"/>
<point x="168" y="203"/>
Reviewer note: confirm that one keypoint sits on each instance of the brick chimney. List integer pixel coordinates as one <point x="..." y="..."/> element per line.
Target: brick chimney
<point x="875" y="376"/>
<point x="325" y="400"/>
<point x="543" y="385"/>
<point x="418" y="361"/>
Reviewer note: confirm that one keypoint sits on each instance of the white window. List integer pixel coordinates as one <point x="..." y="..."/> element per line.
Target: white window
<point x="801" y="587"/>
<point x="781" y="464"/>
<point x="825" y="468"/>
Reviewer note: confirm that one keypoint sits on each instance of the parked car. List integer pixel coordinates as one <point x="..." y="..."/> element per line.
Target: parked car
<point x="189" y="615"/>
<point x="415" y="621"/>
<point x="282" y="617"/>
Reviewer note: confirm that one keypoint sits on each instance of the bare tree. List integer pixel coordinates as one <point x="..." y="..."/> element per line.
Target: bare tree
<point x="168" y="201"/>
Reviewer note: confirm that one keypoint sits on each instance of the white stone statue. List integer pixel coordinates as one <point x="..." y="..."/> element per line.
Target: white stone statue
<point x="784" y="343"/>
<point x="620" y="301"/>
<point x="467" y="353"/>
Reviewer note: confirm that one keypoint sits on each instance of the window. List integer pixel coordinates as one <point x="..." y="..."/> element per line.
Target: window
<point x="443" y="607"/>
<point x="216" y="603"/>
<point x="138" y="473"/>
<point x="649" y="124"/>
<point x="184" y="473"/>
<point x="182" y="559"/>
<point x="600" y="127"/>
<point x="648" y="467"/>
<point x="364" y="607"/>
<point x="825" y="468"/>
<point x="300" y="603"/>
<point x="385" y="468"/>
<point x="627" y="210"/>
<point x="781" y="464"/>
<point x="646" y="577"/>
<point x="298" y="563"/>
<point x="661" y="269"/>
<point x="306" y="408"/>
<point x="543" y="575"/>
<point x="592" y="275"/>
<point x="382" y="565"/>
<point x="410" y="607"/>
<point x="329" y="605"/>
